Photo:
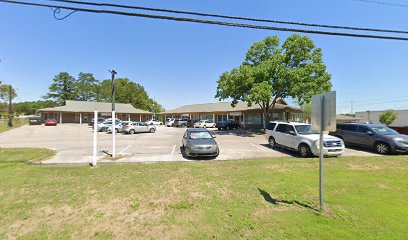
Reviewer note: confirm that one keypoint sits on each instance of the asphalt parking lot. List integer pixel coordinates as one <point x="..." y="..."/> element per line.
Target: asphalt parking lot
<point x="73" y="143"/>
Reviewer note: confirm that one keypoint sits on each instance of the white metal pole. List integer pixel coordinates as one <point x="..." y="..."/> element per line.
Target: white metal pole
<point x="95" y="135"/>
<point x="113" y="134"/>
<point x="322" y="127"/>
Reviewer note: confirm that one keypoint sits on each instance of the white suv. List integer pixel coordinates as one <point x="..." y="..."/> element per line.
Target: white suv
<point x="301" y="138"/>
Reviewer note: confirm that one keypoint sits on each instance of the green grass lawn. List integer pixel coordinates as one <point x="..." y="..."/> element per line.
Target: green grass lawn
<point x="367" y="198"/>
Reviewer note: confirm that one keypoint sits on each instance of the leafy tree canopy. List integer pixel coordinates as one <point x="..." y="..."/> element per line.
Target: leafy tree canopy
<point x="271" y="72"/>
<point x="388" y="117"/>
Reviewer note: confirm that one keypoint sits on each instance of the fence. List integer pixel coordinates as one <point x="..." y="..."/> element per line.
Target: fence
<point x="17" y="122"/>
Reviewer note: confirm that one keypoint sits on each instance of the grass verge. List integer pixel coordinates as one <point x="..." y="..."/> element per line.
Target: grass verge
<point x="258" y="199"/>
<point x="20" y="155"/>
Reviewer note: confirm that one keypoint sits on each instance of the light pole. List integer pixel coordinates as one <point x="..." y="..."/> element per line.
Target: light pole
<point x="113" y="72"/>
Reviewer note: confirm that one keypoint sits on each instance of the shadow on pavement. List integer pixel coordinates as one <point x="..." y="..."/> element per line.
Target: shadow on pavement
<point x="238" y="132"/>
<point x="281" y="150"/>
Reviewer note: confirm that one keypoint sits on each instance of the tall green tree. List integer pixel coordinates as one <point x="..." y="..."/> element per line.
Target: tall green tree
<point x="272" y="71"/>
<point x="127" y="92"/>
<point x="87" y="87"/>
<point x="62" y="89"/>
<point x="388" y="117"/>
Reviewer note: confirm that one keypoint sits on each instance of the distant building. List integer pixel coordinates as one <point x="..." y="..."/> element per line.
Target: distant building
<point x="82" y="112"/>
<point x="374" y="117"/>
<point x="248" y="117"/>
<point x="346" y="119"/>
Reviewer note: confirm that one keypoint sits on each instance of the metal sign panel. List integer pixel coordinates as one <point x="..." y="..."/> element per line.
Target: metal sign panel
<point x="324" y="112"/>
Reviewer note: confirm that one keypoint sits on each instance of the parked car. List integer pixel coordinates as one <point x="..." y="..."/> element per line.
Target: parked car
<point x="182" y="122"/>
<point x="205" y="124"/>
<point x="118" y="127"/>
<point x="169" y="122"/>
<point x="34" y="121"/>
<point x="191" y="122"/>
<point x="301" y="138"/>
<point x="50" y="122"/>
<point x="99" y="120"/>
<point x="227" y="125"/>
<point x="379" y="138"/>
<point x="103" y="127"/>
<point x="154" y="122"/>
<point x="199" y="142"/>
<point x="137" y="127"/>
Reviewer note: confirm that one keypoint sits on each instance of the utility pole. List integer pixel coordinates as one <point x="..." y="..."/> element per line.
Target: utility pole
<point x="113" y="72"/>
<point x="351" y="107"/>
<point x="10" y="106"/>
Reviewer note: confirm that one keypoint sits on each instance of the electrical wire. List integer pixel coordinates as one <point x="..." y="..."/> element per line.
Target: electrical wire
<point x="232" y="17"/>
<point x="230" y="24"/>
<point x="383" y="3"/>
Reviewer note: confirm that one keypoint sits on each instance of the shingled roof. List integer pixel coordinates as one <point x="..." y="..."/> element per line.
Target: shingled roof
<point x="83" y="106"/>
<point x="223" y="107"/>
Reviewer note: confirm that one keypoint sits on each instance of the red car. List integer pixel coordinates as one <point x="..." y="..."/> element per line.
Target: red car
<point x="50" y="122"/>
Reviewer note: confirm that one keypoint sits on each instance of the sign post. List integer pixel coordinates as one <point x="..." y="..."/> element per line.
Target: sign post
<point x="95" y="135"/>
<point x="323" y="119"/>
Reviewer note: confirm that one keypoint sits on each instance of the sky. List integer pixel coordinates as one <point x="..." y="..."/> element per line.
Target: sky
<point x="179" y="63"/>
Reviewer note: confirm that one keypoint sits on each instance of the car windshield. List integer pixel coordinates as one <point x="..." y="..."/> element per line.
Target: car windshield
<point x="382" y="130"/>
<point x="202" y="121"/>
<point x="200" y="135"/>
<point x="305" y="129"/>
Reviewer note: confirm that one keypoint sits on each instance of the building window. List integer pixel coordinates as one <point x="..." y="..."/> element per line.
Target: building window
<point x="254" y="119"/>
<point x="222" y="117"/>
<point x="206" y="117"/>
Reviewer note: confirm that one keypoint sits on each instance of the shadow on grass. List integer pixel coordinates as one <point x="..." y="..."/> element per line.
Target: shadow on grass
<point x="275" y="201"/>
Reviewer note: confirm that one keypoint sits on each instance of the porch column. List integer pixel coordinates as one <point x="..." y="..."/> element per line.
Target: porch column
<point x="60" y="118"/>
<point x="213" y="117"/>
<point x="227" y="116"/>
<point x="140" y="118"/>
<point x="128" y="116"/>
<point x="80" y="118"/>
<point x="243" y="119"/>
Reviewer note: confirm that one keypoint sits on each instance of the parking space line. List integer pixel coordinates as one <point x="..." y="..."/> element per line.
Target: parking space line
<point x="261" y="148"/>
<point x="125" y="149"/>
<point x="174" y="149"/>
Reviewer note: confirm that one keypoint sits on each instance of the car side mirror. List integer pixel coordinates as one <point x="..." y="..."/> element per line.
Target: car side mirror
<point x="370" y="133"/>
<point x="292" y="133"/>
<point x="214" y="136"/>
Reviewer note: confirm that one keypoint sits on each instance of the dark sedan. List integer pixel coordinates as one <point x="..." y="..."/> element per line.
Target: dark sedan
<point x="380" y="138"/>
<point x="199" y="142"/>
<point x="227" y="125"/>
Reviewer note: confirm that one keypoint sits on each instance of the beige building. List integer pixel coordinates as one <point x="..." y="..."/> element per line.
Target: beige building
<point x="248" y="117"/>
<point x="83" y="112"/>
<point x="374" y="117"/>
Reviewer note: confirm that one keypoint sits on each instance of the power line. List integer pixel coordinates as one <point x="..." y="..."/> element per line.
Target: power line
<point x="373" y="100"/>
<point x="383" y="3"/>
<point x="233" y="17"/>
<point x="230" y="24"/>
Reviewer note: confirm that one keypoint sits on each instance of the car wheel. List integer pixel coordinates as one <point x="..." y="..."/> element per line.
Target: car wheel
<point x="117" y="130"/>
<point x="304" y="151"/>
<point x="219" y="129"/>
<point x="382" y="148"/>
<point x="152" y="130"/>
<point x="227" y="128"/>
<point x="272" y="142"/>
<point x="132" y="131"/>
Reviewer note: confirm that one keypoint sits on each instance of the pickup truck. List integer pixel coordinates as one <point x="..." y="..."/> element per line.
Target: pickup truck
<point x="301" y="138"/>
